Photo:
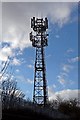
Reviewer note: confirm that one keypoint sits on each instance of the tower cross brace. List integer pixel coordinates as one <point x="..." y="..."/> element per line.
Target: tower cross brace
<point x="39" y="40"/>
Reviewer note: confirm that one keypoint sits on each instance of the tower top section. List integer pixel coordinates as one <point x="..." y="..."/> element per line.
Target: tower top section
<point x="39" y="26"/>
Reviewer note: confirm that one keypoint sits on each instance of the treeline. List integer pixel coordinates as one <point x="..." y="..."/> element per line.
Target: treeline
<point x="70" y="107"/>
<point x="13" y="98"/>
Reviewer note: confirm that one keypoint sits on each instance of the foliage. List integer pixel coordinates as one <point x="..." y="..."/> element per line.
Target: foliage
<point x="70" y="108"/>
<point x="11" y="95"/>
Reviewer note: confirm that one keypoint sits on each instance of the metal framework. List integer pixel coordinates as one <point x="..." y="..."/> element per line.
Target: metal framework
<point x="39" y="40"/>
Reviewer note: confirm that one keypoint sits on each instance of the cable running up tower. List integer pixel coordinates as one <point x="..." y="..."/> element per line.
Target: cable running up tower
<point x="39" y="41"/>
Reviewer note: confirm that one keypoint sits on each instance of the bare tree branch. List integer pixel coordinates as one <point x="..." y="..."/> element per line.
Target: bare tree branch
<point x="2" y="72"/>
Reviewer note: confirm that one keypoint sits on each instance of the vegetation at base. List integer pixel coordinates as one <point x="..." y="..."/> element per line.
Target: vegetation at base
<point x="14" y="106"/>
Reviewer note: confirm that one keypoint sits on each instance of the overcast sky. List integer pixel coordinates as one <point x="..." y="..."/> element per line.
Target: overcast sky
<point x="61" y="54"/>
<point x="39" y="0"/>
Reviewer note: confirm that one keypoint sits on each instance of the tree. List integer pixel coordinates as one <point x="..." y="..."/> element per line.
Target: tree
<point x="4" y="68"/>
<point x="70" y="107"/>
<point x="11" y="95"/>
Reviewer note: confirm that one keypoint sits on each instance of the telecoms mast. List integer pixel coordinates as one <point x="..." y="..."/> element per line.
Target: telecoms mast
<point x="39" y="41"/>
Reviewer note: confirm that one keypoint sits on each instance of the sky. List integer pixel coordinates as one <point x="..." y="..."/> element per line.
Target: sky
<point x="61" y="54"/>
<point x="40" y="0"/>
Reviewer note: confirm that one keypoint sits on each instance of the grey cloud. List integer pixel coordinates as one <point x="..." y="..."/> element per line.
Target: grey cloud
<point x="16" y="19"/>
<point x="0" y="20"/>
<point x="65" y="94"/>
<point x="19" y="14"/>
<point x="40" y="0"/>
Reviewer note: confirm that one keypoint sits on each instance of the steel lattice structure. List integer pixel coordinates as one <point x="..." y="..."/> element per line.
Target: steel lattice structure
<point x="39" y="40"/>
